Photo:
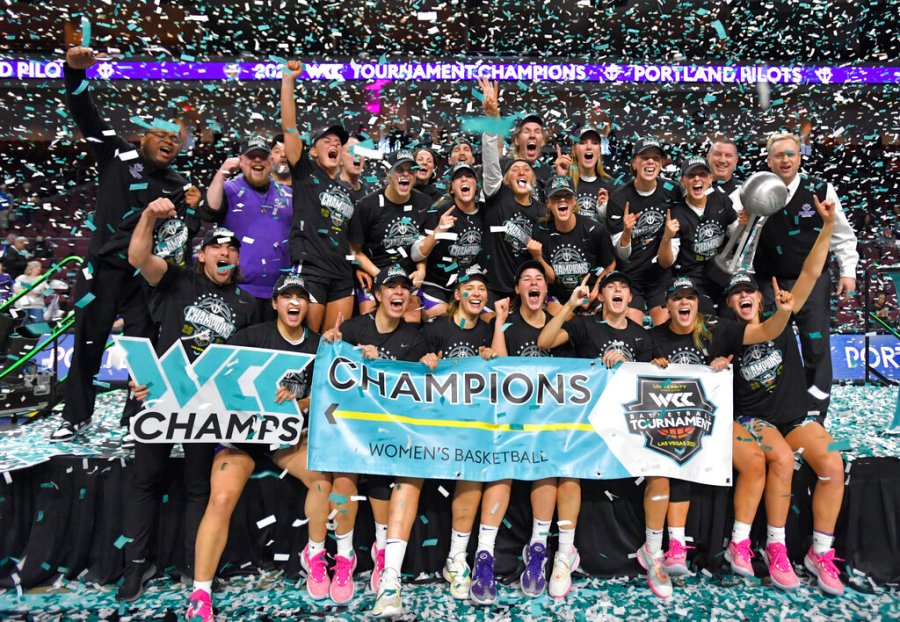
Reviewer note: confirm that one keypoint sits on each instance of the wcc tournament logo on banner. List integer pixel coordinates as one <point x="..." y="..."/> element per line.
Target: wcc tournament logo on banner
<point x="672" y="414"/>
<point x="515" y="417"/>
<point x="226" y="395"/>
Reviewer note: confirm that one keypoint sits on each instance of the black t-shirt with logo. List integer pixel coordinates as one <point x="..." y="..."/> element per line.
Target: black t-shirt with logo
<point x="702" y="236"/>
<point x="405" y="343"/>
<point x="452" y="256"/>
<point x="267" y="337"/>
<point x="521" y="337"/>
<point x="508" y="228"/>
<point x="592" y="337"/>
<point x="382" y="227"/>
<point x="321" y="221"/>
<point x="443" y="335"/>
<point x="193" y="309"/>
<point x="727" y="337"/>
<point x="586" y="191"/>
<point x="575" y="253"/>
<point x="642" y="266"/>
<point x="769" y="381"/>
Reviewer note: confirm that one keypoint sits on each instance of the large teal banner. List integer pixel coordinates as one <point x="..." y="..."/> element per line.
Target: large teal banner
<point x="521" y="418"/>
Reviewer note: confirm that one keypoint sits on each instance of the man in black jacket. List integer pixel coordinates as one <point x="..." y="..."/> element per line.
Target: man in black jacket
<point x="107" y="286"/>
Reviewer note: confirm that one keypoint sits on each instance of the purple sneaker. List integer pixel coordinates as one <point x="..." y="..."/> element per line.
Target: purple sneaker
<point x="483" y="590"/>
<point x="534" y="579"/>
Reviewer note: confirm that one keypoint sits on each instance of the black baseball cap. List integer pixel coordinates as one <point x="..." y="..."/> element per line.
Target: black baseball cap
<point x="692" y="163"/>
<point x="559" y="185"/>
<point x="589" y="129"/>
<point x="679" y="284"/>
<point x="401" y="157"/>
<point x="220" y="235"/>
<point x="613" y="277"/>
<point x="529" y="117"/>
<point x="741" y="280"/>
<point x="472" y="273"/>
<point x="643" y="144"/>
<point x="530" y="264"/>
<point x="255" y="143"/>
<point x="393" y="274"/>
<point x="337" y="130"/>
<point x="508" y="164"/>
<point x="462" y="167"/>
<point x="289" y="282"/>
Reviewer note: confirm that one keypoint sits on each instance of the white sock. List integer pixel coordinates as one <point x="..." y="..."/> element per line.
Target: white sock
<point x="822" y="542"/>
<point x="394" y="552"/>
<point x="566" y="541"/>
<point x="313" y="548"/>
<point x="345" y="544"/>
<point x="774" y="534"/>
<point x="539" y="531"/>
<point x="380" y="535"/>
<point x="459" y="542"/>
<point x="654" y="539"/>
<point x="206" y="586"/>
<point x="740" y="531"/>
<point x="487" y="536"/>
<point x="676" y="533"/>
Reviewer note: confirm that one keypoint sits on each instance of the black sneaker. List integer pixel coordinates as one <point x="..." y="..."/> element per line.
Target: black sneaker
<point x="136" y="575"/>
<point x="67" y="431"/>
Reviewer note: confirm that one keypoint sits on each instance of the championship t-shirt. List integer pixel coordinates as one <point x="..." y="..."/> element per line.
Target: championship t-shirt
<point x="509" y="227"/>
<point x="727" y="337"/>
<point x="405" y="343"/>
<point x="457" y="248"/>
<point x="386" y="230"/>
<point x="642" y="265"/>
<point x="575" y="253"/>
<point x="267" y="336"/>
<point x="769" y="380"/>
<point x="586" y="191"/>
<point x="191" y="308"/>
<point x="593" y="337"/>
<point x="702" y="236"/>
<point x="443" y="335"/>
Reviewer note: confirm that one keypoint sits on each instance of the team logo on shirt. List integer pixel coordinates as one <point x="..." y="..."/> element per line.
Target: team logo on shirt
<point x="761" y="364"/>
<point x="460" y="350"/>
<point x="687" y="356"/>
<point x="400" y="233"/>
<point x="672" y="414"/>
<point x="136" y="170"/>
<point x="518" y="232"/>
<point x="530" y="349"/>
<point x="807" y="210"/>
<point x="336" y="205"/>
<point x="208" y="320"/>
<point x="588" y="204"/>
<point x="650" y="222"/>
<point x="467" y="246"/>
<point x="708" y="239"/>
<point x="569" y="265"/>
<point x="617" y="345"/>
<point x="170" y="237"/>
<point x="296" y="382"/>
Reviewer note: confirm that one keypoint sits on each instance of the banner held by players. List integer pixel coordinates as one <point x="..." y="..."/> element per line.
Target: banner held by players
<point x="520" y="418"/>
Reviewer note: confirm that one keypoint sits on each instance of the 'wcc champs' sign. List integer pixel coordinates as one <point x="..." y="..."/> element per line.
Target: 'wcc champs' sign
<point x="520" y="418"/>
<point x="226" y="394"/>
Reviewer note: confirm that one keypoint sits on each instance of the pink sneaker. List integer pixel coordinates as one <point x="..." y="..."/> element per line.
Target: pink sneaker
<point x="822" y="566"/>
<point x="378" y="558"/>
<point x="318" y="582"/>
<point x="676" y="559"/>
<point x="200" y="607"/>
<point x="342" y="588"/>
<point x="738" y="555"/>
<point x="780" y="569"/>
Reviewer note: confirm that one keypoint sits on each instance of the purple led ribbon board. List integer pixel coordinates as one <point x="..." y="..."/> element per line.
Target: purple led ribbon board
<point x="24" y="69"/>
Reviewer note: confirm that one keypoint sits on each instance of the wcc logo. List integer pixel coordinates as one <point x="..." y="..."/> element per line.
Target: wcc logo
<point x="226" y="395"/>
<point x="672" y="414"/>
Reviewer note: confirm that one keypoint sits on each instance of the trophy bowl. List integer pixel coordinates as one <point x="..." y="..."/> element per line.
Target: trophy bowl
<point x="763" y="194"/>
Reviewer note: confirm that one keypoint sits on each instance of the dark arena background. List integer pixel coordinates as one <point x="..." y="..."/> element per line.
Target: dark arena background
<point x="402" y="74"/>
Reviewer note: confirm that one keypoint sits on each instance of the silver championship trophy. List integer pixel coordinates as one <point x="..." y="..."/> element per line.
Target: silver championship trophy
<point x="762" y="195"/>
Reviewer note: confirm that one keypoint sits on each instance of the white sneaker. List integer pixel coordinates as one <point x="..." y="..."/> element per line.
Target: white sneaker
<point x="67" y="431"/>
<point x="561" y="579"/>
<point x="458" y="574"/>
<point x="388" y="602"/>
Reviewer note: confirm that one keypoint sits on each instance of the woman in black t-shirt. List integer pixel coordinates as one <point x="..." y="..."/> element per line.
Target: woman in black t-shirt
<point x="234" y="464"/>
<point x="322" y="211"/>
<point x="426" y="172"/>
<point x="613" y="338"/>
<point x="771" y="404"/>
<point x="589" y="178"/>
<point x="694" y="339"/>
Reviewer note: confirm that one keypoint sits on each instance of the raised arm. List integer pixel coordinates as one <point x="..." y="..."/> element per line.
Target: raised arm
<point x="215" y="194"/>
<point x="78" y="98"/>
<point x="775" y="325"/>
<point x="553" y="334"/>
<point x="498" y="342"/>
<point x="140" y="249"/>
<point x="293" y="146"/>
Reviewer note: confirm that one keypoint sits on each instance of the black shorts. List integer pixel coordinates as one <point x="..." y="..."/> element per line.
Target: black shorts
<point x="647" y="296"/>
<point x="432" y="296"/>
<point x="259" y="453"/>
<point x="324" y="289"/>
<point x="783" y="428"/>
